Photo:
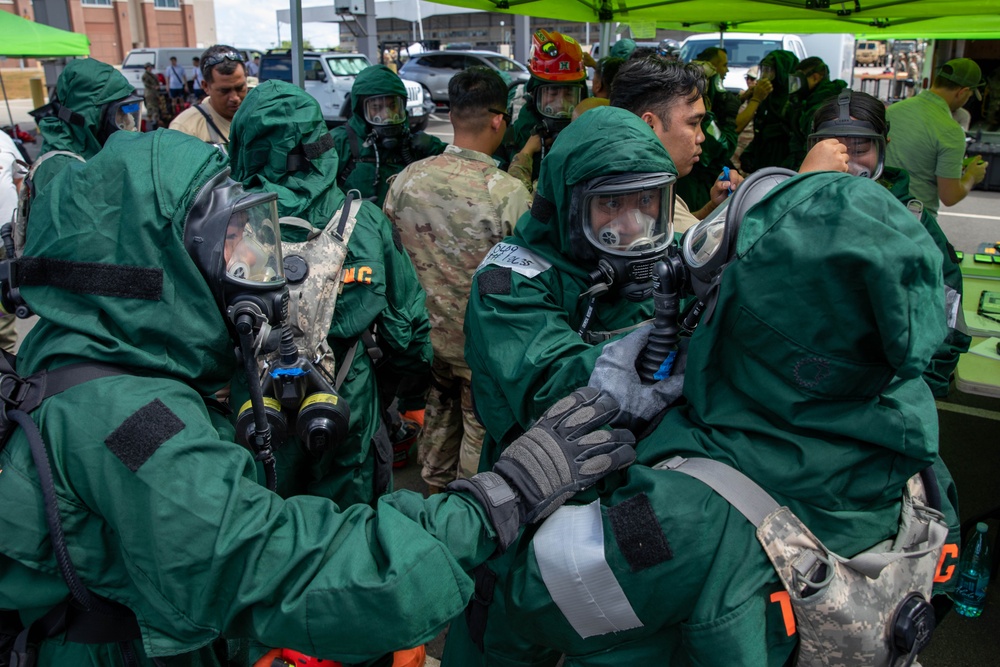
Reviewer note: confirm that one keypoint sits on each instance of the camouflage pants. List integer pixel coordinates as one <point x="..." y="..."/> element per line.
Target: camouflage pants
<point x="452" y="438"/>
<point x="8" y="336"/>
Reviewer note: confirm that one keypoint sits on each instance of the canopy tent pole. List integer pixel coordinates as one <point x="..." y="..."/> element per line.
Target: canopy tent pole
<point x="5" y="100"/>
<point x="295" y="18"/>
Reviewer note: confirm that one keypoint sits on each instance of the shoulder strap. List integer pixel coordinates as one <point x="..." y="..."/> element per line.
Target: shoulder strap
<point x="742" y="492"/>
<point x="211" y="123"/>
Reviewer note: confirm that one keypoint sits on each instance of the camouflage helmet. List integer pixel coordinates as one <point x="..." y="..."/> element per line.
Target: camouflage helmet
<point x="556" y="57"/>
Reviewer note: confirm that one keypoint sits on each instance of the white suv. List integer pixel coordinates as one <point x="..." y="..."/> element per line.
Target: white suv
<point x="329" y="77"/>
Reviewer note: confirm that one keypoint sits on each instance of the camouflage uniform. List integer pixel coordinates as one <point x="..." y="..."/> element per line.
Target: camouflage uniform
<point x="450" y="209"/>
<point x="151" y="92"/>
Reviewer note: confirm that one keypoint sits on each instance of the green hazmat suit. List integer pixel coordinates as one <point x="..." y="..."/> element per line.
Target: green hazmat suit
<point x="528" y="122"/>
<point x="939" y="371"/>
<point x="773" y="119"/>
<point x="521" y="326"/>
<point x="807" y="378"/>
<point x="274" y="120"/>
<point x="804" y="108"/>
<point x="164" y="516"/>
<point x="357" y="157"/>
<point x="84" y="86"/>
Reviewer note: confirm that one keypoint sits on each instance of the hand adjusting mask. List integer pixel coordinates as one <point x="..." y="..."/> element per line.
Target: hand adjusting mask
<point x="628" y="220"/>
<point x="865" y="145"/>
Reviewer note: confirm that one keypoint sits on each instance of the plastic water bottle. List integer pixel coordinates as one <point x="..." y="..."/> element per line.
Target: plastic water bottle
<point x="973" y="575"/>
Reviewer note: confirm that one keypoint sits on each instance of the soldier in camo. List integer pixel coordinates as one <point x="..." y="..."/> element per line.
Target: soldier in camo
<point x="449" y="210"/>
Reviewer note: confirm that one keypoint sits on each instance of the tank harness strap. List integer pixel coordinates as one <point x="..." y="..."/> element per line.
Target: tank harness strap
<point x="212" y="125"/>
<point x="355" y="143"/>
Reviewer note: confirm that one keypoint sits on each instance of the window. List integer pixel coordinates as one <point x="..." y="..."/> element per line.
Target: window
<point x="313" y="70"/>
<point x="505" y="64"/>
<point x="96" y="3"/>
<point x="166" y="4"/>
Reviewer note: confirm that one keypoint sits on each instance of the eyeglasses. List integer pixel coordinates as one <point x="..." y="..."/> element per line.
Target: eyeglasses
<point x="750" y="78"/>
<point x="507" y="118"/>
<point x="219" y="58"/>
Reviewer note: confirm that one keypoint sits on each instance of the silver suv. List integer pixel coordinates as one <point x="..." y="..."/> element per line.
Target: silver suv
<point x="434" y="69"/>
<point x="329" y="77"/>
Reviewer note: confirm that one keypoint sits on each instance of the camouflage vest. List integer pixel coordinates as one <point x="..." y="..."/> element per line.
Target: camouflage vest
<point x="314" y="269"/>
<point x="872" y="610"/>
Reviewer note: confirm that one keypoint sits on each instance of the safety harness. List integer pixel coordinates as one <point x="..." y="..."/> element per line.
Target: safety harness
<point x="83" y="617"/>
<point x="879" y="599"/>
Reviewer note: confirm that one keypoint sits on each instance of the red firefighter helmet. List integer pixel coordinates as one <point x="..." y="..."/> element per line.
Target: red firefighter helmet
<point x="556" y="57"/>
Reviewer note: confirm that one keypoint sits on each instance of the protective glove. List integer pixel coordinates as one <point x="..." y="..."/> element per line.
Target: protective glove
<point x="615" y="374"/>
<point x="564" y="452"/>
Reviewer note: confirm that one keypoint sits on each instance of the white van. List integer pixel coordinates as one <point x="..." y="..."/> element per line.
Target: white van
<point x="135" y="62"/>
<point x="744" y="51"/>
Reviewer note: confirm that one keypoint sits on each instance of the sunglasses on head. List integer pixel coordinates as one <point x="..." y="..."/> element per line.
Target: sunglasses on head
<point x="219" y="58"/>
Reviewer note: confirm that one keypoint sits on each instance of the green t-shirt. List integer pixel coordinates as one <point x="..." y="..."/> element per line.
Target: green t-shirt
<point x="927" y="142"/>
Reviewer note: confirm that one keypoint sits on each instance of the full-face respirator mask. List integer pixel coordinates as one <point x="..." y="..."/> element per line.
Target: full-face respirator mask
<point x="626" y="221"/>
<point x="865" y="145"/>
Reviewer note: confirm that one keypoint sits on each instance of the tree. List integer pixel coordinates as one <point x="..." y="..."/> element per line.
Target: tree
<point x="306" y="44"/>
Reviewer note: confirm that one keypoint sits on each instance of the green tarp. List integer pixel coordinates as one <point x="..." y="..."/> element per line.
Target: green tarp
<point x="974" y="19"/>
<point x="26" y="39"/>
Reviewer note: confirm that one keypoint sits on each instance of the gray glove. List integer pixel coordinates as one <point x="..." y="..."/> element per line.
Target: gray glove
<point x="615" y="374"/>
<point x="564" y="452"/>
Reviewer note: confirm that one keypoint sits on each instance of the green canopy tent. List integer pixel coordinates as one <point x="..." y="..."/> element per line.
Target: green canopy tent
<point x="26" y="39"/>
<point x="871" y="18"/>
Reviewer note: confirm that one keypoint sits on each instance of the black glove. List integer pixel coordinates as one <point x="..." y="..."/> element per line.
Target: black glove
<point x="564" y="452"/>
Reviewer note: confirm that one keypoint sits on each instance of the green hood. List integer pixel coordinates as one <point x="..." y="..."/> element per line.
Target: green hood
<point x="127" y="207"/>
<point x="274" y="119"/>
<point x="807" y="377"/>
<point x="601" y="142"/>
<point x="374" y="80"/>
<point x="84" y="86"/>
<point x="784" y="63"/>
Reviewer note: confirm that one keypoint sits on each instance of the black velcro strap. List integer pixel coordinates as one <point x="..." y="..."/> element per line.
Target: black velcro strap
<point x="67" y="115"/>
<point x="494" y="281"/>
<point x="315" y="149"/>
<point x="141" y="434"/>
<point x="542" y="209"/>
<point x="638" y="533"/>
<point x="130" y="282"/>
<point x="478" y="610"/>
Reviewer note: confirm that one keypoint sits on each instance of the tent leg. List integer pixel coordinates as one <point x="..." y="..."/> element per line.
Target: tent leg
<point x="5" y="100"/>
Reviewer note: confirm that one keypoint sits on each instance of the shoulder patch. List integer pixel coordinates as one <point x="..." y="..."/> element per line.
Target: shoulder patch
<point x="496" y="281"/>
<point x="638" y="533"/>
<point x="517" y="259"/>
<point x="141" y="434"/>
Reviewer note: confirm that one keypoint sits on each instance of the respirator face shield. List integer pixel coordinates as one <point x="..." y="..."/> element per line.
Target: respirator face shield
<point x="383" y="110"/>
<point x="628" y="220"/>
<point x="708" y="247"/>
<point x="865" y="145"/>
<point x="234" y="240"/>
<point x="557" y="101"/>
<point x="767" y="73"/>
<point x="796" y="82"/>
<point x="124" y="114"/>
<point x="629" y="214"/>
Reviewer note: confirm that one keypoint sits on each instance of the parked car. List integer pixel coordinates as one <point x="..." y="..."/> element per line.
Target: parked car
<point x="135" y="63"/>
<point x="329" y="77"/>
<point x="433" y="70"/>
<point x="597" y="53"/>
<point x="871" y="52"/>
<point x="743" y="50"/>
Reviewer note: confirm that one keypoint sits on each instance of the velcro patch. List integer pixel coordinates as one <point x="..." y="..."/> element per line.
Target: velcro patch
<point x="638" y="533"/>
<point x="496" y="281"/>
<point x="141" y="434"/>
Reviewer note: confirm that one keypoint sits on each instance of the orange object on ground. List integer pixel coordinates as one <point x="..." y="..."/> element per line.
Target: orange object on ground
<point x="413" y="657"/>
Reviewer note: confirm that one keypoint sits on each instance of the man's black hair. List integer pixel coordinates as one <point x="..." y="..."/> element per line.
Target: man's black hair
<point x="863" y="106"/>
<point x="226" y="67"/>
<point x="640" y="52"/>
<point x="813" y="65"/>
<point x="710" y="53"/>
<point x="655" y="85"/>
<point x="607" y="69"/>
<point x="473" y="91"/>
